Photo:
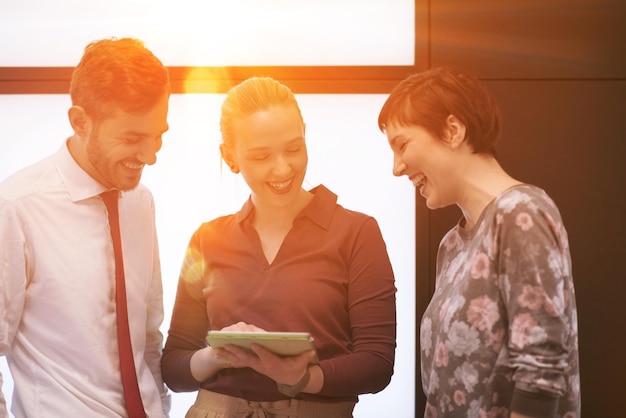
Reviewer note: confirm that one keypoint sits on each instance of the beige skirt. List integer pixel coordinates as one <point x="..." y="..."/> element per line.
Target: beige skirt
<point x="214" y="405"/>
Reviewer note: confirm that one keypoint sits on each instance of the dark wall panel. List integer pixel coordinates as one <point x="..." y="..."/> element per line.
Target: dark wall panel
<point x="566" y="137"/>
<point x="531" y="38"/>
<point x="558" y="69"/>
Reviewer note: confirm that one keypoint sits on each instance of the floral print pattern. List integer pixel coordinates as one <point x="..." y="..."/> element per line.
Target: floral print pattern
<point x="503" y="315"/>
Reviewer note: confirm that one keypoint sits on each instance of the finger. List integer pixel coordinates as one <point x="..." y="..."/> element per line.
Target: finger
<point x="242" y="326"/>
<point x="263" y="353"/>
<point x="241" y="357"/>
<point x="236" y="351"/>
<point x="257" y="329"/>
<point x="224" y="363"/>
<point x="310" y="355"/>
<point x="305" y="358"/>
<point x="221" y="355"/>
<point x="239" y="326"/>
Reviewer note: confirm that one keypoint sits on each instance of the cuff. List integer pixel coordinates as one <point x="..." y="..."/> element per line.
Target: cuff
<point x="534" y="404"/>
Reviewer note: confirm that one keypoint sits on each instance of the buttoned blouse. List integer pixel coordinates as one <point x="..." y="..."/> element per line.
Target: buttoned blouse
<point x="331" y="277"/>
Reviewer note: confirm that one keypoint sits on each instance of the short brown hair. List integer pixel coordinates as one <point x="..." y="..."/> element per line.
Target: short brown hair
<point x="118" y="73"/>
<point x="427" y="99"/>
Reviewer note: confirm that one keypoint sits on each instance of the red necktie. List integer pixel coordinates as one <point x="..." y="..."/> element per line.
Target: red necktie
<point x="127" y="364"/>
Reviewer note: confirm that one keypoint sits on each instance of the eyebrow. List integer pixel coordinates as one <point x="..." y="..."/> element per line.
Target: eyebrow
<point x="143" y="134"/>
<point x="290" y="142"/>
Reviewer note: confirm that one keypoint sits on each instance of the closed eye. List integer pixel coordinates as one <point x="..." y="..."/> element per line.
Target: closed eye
<point x="258" y="157"/>
<point x="402" y="145"/>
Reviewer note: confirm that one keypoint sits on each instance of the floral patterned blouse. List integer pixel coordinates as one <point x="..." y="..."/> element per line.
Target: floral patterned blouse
<point x="501" y="327"/>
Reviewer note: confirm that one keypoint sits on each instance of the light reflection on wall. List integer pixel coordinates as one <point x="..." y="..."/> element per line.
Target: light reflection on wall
<point x="347" y="153"/>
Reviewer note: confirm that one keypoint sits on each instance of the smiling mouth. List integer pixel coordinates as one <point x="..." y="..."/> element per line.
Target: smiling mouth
<point x="132" y="166"/>
<point x="418" y="181"/>
<point x="280" y="186"/>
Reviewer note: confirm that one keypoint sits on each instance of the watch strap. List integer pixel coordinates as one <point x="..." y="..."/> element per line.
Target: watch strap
<point x="292" y="391"/>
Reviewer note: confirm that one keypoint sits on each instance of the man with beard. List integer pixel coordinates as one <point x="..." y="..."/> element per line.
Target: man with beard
<point x="64" y="274"/>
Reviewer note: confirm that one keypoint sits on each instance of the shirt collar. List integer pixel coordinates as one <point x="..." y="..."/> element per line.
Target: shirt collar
<point x="80" y="185"/>
<point x="320" y="210"/>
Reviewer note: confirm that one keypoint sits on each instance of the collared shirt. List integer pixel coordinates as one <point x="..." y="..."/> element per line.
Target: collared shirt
<point x="57" y="293"/>
<point x="331" y="277"/>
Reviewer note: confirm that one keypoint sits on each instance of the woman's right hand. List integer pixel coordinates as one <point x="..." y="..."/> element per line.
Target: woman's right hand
<point x="205" y="362"/>
<point x="242" y="326"/>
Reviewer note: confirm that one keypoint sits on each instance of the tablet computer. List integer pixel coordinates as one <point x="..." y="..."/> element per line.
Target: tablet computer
<point x="280" y="343"/>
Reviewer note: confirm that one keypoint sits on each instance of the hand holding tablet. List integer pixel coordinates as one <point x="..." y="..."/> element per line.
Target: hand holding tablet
<point x="280" y="343"/>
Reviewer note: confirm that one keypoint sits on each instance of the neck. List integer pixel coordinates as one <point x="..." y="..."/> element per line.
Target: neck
<point x="484" y="181"/>
<point x="267" y="214"/>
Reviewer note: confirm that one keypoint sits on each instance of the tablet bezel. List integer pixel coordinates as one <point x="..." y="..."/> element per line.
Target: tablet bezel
<point x="280" y="343"/>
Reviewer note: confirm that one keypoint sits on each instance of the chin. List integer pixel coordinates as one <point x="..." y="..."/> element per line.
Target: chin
<point x="433" y="204"/>
<point x="127" y="185"/>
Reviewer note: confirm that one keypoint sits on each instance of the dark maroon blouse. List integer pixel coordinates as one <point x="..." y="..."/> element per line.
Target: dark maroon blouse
<point x="331" y="277"/>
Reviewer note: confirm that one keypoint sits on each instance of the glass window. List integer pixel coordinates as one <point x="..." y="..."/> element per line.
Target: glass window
<point x="347" y="153"/>
<point x="215" y="33"/>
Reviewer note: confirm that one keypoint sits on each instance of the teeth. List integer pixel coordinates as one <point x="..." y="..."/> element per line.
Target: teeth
<point x="418" y="181"/>
<point x="134" y="166"/>
<point x="281" y="186"/>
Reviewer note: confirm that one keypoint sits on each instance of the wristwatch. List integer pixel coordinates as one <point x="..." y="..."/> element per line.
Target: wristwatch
<point x="292" y="391"/>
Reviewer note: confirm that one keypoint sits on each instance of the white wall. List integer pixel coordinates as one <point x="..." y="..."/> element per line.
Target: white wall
<point x="347" y="153"/>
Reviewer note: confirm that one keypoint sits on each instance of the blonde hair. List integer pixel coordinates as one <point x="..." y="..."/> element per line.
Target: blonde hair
<point x="250" y="96"/>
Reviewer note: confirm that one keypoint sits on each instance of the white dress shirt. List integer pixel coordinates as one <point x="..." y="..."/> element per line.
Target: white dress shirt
<point x="57" y="293"/>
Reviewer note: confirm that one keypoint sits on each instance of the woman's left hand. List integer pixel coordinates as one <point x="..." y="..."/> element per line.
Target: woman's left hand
<point x="286" y="370"/>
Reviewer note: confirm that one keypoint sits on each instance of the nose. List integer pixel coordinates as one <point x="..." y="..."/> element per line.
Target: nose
<point x="399" y="166"/>
<point x="148" y="150"/>
<point x="281" y="166"/>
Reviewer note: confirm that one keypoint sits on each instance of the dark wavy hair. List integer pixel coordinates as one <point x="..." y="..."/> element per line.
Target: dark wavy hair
<point x="427" y="98"/>
<point x="118" y="74"/>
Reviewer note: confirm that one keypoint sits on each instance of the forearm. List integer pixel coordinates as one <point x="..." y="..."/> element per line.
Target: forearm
<point x="355" y="374"/>
<point x="188" y="328"/>
<point x="204" y="364"/>
<point x="316" y="382"/>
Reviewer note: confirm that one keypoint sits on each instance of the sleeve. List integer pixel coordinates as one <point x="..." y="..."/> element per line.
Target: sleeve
<point x="13" y="279"/>
<point x="154" y="337"/>
<point x="4" y="413"/>
<point x="372" y="313"/>
<point x="189" y="323"/>
<point x="537" y="289"/>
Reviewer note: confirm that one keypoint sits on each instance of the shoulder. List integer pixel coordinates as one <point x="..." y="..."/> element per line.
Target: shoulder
<point x="523" y="203"/>
<point x="219" y="228"/>
<point x="28" y="180"/>
<point x="524" y="196"/>
<point x="529" y="210"/>
<point x="331" y="199"/>
<point x="341" y="214"/>
<point x="216" y="229"/>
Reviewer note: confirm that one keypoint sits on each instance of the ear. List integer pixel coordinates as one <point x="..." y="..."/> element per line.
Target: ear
<point x="454" y="131"/>
<point x="228" y="158"/>
<point x="79" y="120"/>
